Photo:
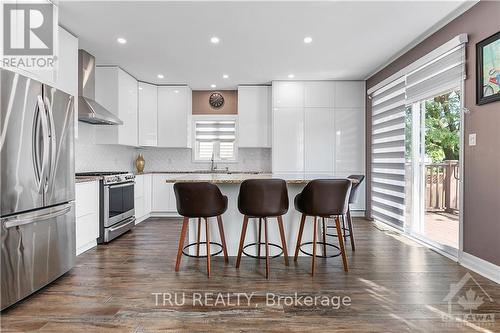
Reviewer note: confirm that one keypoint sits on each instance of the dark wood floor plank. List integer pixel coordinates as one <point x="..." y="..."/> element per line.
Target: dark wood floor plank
<point x="394" y="286"/>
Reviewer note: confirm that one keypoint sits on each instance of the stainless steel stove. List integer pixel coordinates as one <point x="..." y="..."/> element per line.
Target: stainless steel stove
<point x="116" y="203"/>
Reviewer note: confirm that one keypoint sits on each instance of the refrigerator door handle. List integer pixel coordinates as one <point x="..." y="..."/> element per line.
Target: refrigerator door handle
<point x="46" y="148"/>
<point x="27" y="218"/>
<point x="53" y="146"/>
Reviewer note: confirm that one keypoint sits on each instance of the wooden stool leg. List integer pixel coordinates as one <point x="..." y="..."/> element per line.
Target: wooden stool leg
<point x="324" y="236"/>
<point x="267" y="248"/>
<point x="242" y="240"/>
<point x="341" y="242"/>
<point x="299" y="237"/>
<point x="199" y="233"/>
<point x="222" y="238"/>
<point x="185" y="223"/>
<point x="260" y="237"/>
<point x="315" y="234"/>
<point x="208" y="246"/>
<point x="349" y="223"/>
<point x="283" y="240"/>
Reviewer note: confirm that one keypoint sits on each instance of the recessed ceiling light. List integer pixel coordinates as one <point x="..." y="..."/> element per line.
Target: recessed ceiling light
<point x="160" y="76"/>
<point x="176" y="91"/>
<point x="225" y="76"/>
<point x="291" y="76"/>
<point x="121" y="40"/>
<point x="308" y="40"/>
<point x="140" y="88"/>
<point x="213" y="86"/>
<point x="214" y="40"/>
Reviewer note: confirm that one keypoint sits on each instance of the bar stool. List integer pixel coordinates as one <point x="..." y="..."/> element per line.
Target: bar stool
<point x="263" y="198"/>
<point x="323" y="198"/>
<point x="353" y="197"/>
<point x="202" y="201"/>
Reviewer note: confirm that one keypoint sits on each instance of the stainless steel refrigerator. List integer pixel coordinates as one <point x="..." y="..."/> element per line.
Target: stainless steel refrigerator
<point x="37" y="188"/>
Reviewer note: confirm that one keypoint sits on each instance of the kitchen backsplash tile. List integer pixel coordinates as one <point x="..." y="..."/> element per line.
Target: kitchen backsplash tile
<point x="94" y="157"/>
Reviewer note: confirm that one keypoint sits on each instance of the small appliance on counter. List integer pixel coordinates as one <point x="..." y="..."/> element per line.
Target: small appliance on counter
<point x="116" y="203"/>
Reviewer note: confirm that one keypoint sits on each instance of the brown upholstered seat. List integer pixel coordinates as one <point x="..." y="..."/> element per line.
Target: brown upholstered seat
<point x="355" y="187"/>
<point x="200" y="200"/>
<point x="263" y="198"/>
<point x="323" y="198"/>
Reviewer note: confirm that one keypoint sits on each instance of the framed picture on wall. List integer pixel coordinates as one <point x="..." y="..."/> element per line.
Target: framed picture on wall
<point x="488" y="70"/>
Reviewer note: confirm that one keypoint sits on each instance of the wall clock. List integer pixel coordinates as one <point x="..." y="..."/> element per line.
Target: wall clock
<point x="216" y="100"/>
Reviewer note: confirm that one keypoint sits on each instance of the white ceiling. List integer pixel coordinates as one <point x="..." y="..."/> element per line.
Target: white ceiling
<point x="259" y="41"/>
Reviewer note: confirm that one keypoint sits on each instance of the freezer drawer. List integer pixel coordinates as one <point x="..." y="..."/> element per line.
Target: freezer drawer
<point x="37" y="248"/>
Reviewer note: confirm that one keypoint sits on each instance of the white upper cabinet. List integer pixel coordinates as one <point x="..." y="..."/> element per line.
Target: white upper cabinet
<point x="319" y="94"/>
<point x="288" y="140"/>
<point x="288" y="94"/>
<point x="318" y="141"/>
<point x="174" y="116"/>
<point x="254" y="116"/>
<point x="148" y="114"/>
<point x="319" y="127"/>
<point x="350" y="94"/>
<point x="350" y="140"/>
<point x="117" y="91"/>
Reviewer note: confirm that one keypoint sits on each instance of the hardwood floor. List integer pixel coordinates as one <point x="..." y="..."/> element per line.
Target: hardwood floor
<point x="394" y="285"/>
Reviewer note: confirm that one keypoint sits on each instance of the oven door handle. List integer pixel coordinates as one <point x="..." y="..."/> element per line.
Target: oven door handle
<point x="121" y="185"/>
<point x="122" y="224"/>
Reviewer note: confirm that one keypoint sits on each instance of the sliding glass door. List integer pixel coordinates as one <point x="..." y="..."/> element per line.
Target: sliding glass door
<point x="432" y="152"/>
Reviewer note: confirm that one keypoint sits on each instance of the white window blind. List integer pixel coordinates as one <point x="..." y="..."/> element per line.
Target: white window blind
<point x="436" y="75"/>
<point x="440" y="75"/>
<point x="215" y="138"/>
<point x="388" y="150"/>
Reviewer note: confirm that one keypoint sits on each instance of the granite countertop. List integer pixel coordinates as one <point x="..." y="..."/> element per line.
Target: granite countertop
<point x="218" y="172"/>
<point x="238" y="178"/>
<point x="85" y="179"/>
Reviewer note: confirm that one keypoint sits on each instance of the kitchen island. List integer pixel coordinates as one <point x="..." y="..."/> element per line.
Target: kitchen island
<point x="229" y="184"/>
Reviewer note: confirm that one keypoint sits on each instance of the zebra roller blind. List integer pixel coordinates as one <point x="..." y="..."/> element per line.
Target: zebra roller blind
<point x="435" y="76"/>
<point x="440" y="75"/>
<point x="388" y="153"/>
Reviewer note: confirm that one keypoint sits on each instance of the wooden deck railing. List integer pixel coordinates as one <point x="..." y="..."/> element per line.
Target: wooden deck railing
<point x="441" y="186"/>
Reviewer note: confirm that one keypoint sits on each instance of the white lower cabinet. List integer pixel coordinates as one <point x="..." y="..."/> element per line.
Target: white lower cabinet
<point x="163" y="201"/>
<point x="87" y="215"/>
<point x="142" y="194"/>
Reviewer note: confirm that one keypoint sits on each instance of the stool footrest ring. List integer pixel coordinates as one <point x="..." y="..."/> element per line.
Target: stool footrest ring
<point x="336" y="254"/>
<point x="344" y="230"/>
<point x="201" y="256"/>
<point x="262" y="257"/>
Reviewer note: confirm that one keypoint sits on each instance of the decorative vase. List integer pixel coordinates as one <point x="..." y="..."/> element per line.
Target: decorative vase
<point x="139" y="163"/>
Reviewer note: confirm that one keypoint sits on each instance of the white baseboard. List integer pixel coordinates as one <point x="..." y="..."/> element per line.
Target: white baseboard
<point x="480" y="266"/>
<point x="164" y="214"/>
<point x="358" y="213"/>
<point x="86" y="247"/>
<point x="141" y="219"/>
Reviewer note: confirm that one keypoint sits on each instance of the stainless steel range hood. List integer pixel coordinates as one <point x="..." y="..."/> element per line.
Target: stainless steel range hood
<point x="89" y="110"/>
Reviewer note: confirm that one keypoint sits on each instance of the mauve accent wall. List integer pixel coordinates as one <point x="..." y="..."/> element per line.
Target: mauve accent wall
<point x="202" y="106"/>
<point x="481" y="225"/>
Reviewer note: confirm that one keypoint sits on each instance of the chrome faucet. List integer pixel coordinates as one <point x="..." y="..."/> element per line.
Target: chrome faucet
<point x="213" y="167"/>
